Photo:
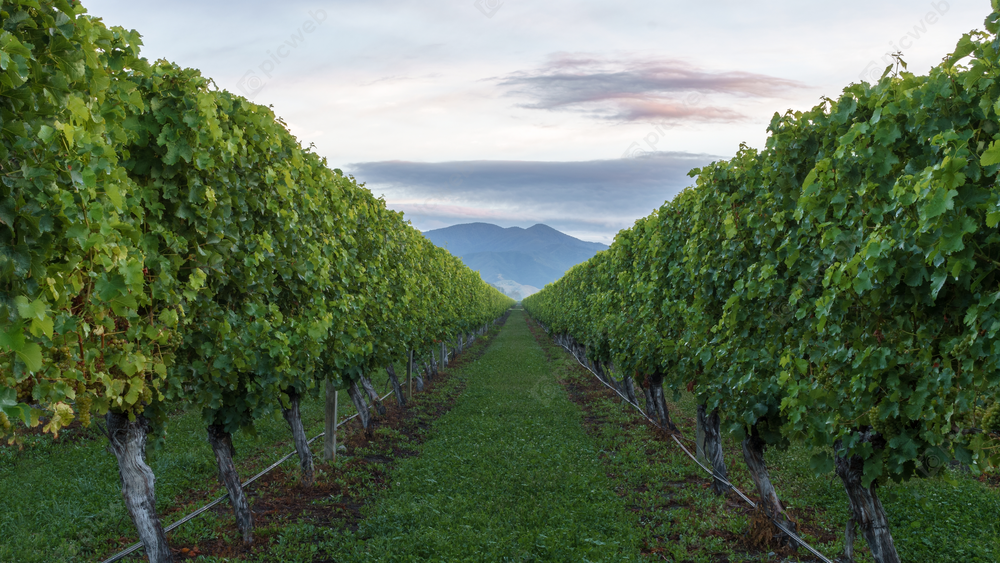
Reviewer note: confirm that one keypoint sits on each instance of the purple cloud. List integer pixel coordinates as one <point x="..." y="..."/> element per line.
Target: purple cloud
<point x="629" y="90"/>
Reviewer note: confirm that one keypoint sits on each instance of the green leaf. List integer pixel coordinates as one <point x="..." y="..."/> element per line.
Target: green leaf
<point x="964" y="48"/>
<point x="197" y="279"/>
<point x="32" y="310"/>
<point x="872" y="470"/>
<point x="31" y="355"/>
<point x="991" y="156"/>
<point x="810" y="179"/>
<point x="45" y="133"/>
<point x="821" y="463"/>
<point x="115" y="195"/>
<point x="168" y="317"/>
<point x="108" y="289"/>
<point x="13" y="338"/>
<point x="939" y="202"/>
<point x="8" y="397"/>
<point x="42" y="326"/>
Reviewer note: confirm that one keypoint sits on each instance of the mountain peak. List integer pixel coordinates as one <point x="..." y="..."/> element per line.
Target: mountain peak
<point x="532" y="257"/>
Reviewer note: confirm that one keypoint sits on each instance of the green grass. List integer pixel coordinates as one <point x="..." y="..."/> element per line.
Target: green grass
<point x="950" y="518"/>
<point x="513" y="472"/>
<point x="60" y="501"/>
<point x="507" y="475"/>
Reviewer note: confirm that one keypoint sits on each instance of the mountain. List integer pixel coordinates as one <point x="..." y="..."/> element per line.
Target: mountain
<point x="515" y="259"/>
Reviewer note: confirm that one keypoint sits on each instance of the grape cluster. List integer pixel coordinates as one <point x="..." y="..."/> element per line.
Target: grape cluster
<point x="991" y="419"/>
<point x="24" y="389"/>
<point x="63" y="358"/>
<point x="888" y="428"/>
<point x="173" y="339"/>
<point x="83" y="404"/>
<point x="866" y="418"/>
<point x="113" y="345"/>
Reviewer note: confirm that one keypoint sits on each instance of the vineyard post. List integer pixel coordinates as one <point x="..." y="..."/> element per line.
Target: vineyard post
<point x="333" y="449"/>
<point x="330" y="437"/>
<point x="444" y="354"/>
<point x="409" y="373"/>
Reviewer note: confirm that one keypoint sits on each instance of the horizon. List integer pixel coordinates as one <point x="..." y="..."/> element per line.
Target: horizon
<point x="511" y="227"/>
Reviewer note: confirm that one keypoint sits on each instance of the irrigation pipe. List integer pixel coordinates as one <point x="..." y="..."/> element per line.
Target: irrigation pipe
<point x="138" y="545"/>
<point x="711" y="472"/>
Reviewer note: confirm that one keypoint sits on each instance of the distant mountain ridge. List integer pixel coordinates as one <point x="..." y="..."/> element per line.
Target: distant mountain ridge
<point x="529" y="257"/>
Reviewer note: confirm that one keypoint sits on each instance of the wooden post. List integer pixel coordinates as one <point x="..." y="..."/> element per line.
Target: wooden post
<point x="444" y="354"/>
<point x="330" y="436"/>
<point x="409" y="373"/>
<point x="335" y="424"/>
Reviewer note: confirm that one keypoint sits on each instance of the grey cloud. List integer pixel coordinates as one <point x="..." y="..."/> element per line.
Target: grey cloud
<point x="589" y="199"/>
<point x="628" y="90"/>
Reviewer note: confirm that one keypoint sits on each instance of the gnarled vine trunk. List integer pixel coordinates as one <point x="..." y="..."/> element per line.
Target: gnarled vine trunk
<point x="662" y="412"/>
<point x="629" y="385"/>
<point x="419" y="379"/>
<point x="753" y="454"/>
<point x="359" y="403"/>
<point x="434" y="365"/>
<point x="650" y="406"/>
<point x="222" y="446"/>
<point x="294" y="419"/>
<point x="710" y="424"/>
<point x="128" y="443"/>
<point x="602" y="375"/>
<point x="366" y="384"/>
<point x="396" y="387"/>
<point x="866" y="508"/>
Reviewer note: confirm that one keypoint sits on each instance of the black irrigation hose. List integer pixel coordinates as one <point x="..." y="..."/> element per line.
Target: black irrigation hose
<point x="138" y="545"/>
<point x="711" y="472"/>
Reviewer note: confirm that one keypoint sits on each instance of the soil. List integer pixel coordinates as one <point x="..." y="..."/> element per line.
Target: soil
<point x="338" y="498"/>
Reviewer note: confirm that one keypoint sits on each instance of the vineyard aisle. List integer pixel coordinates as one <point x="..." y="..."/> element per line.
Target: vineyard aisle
<point x="508" y="474"/>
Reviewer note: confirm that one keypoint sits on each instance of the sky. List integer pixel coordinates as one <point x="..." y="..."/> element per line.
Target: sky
<point x="584" y="115"/>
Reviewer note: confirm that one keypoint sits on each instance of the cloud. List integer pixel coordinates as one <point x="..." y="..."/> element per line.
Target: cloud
<point x="591" y="199"/>
<point x="633" y="89"/>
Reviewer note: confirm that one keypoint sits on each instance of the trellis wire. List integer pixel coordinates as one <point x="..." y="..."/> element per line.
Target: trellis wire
<point x="138" y="545"/>
<point x="711" y="472"/>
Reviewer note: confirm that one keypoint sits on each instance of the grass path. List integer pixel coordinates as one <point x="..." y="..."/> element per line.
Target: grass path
<point x="507" y="475"/>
